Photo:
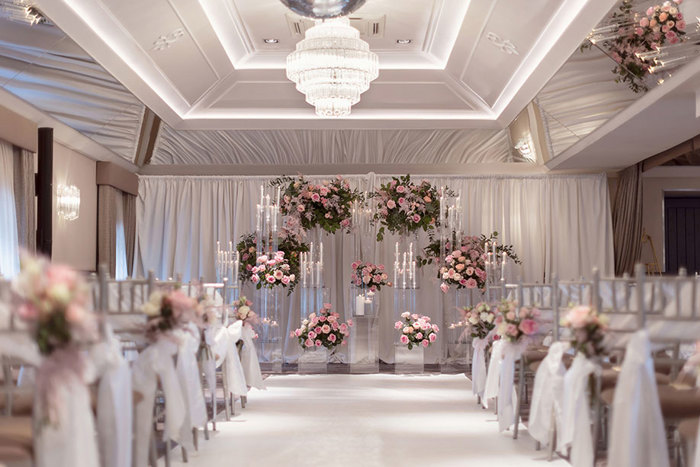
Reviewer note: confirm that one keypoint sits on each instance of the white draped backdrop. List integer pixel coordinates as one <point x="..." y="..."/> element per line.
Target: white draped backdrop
<point x="558" y="224"/>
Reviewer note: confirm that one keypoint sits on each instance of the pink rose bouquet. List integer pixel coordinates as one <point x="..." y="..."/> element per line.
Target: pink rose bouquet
<point x="587" y="329"/>
<point x="289" y="245"/>
<point x="481" y="319"/>
<point x="272" y="271"/>
<point x="404" y="207"/>
<point x="464" y="268"/>
<point x="322" y="330"/>
<point x="244" y="312"/>
<point x="52" y="300"/>
<point x="371" y="276"/>
<point x="416" y="330"/>
<point x="515" y="323"/>
<point x="327" y="204"/>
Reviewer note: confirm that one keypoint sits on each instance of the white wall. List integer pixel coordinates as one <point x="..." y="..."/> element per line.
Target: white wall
<point x="75" y="242"/>
<point x="656" y="182"/>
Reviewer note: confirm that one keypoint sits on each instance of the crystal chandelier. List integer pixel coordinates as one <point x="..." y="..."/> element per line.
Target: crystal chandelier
<point x="332" y="67"/>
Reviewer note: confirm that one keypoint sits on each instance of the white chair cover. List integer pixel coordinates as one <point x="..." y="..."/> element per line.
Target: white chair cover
<point x="547" y="394"/>
<point x="114" y="404"/>
<point x="479" y="366"/>
<point x="576" y="415"/>
<point x="493" y="375"/>
<point x="249" y="359"/>
<point x="506" y="397"/>
<point x="637" y="435"/>
<point x="153" y="364"/>
<point x="225" y="352"/>
<point x="190" y="381"/>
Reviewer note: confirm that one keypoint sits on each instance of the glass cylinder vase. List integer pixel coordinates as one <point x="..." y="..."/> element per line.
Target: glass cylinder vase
<point x="364" y="336"/>
<point x="270" y="304"/>
<point x="456" y="348"/>
<point x="408" y="362"/>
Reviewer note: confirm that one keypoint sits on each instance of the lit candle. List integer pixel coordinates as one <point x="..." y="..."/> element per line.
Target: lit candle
<point x="403" y="270"/>
<point x="320" y="254"/>
<point x="261" y="195"/>
<point x="503" y="265"/>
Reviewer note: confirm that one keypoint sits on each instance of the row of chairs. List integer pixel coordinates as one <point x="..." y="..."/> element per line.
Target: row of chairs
<point x="666" y="307"/>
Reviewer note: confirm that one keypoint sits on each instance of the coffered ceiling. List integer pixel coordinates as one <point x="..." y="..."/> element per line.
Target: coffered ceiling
<point x="204" y="64"/>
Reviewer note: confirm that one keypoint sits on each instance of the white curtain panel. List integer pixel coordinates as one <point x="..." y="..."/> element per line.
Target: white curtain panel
<point x="558" y="225"/>
<point x="9" y="246"/>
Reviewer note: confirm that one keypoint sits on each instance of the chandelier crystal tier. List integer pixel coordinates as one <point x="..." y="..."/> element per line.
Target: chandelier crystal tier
<point x="332" y="67"/>
<point x="323" y="9"/>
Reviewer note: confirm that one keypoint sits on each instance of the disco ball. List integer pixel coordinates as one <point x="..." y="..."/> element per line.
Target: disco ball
<point x="323" y="9"/>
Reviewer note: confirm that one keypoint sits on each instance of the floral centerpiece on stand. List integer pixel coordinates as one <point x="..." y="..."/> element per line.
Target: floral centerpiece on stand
<point x="322" y="330"/>
<point x="272" y="272"/>
<point x="371" y="276"/>
<point x="404" y="207"/>
<point x="432" y="253"/>
<point x="289" y="244"/>
<point x="327" y="204"/>
<point x="515" y="324"/>
<point x="464" y="268"/>
<point x="416" y="330"/>
<point x="587" y="329"/>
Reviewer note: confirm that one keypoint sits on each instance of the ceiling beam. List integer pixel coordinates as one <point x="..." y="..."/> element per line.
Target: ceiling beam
<point x="148" y="134"/>
<point x="672" y="153"/>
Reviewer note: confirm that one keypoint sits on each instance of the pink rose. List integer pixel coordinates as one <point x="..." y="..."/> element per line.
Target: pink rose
<point x="402" y="201"/>
<point x="471" y="283"/>
<point x="312" y="335"/>
<point x="432" y="337"/>
<point x="317" y="330"/>
<point x="309" y="343"/>
<point x="398" y="325"/>
<point x="680" y="25"/>
<point x="427" y="199"/>
<point x="343" y="328"/>
<point x="318" y="343"/>
<point x="578" y="316"/>
<point x="419" y="336"/>
<point x="401" y="189"/>
<point x="416" y="218"/>
<point x="425" y="343"/>
<point x="436" y="328"/>
<point x="444" y="287"/>
<point x="254" y="278"/>
<point x="332" y="338"/>
<point x="270" y="279"/>
<point x="644" y="22"/>
<point x="326" y="329"/>
<point x="528" y="327"/>
<point x="349" y="322"/>
<point x="301" y="208"/>
<point x="391" y="204"/>
<point x="404" y="339"/>
<point x="510" y="316"/>
<point x="512" y="330"/>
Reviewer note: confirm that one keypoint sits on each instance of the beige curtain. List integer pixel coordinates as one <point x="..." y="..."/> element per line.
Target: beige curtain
<point x="25" y="202"/>
<point x="627" y="220"/>
<point x="108" y="197"/>
<point x="129" y="229"/>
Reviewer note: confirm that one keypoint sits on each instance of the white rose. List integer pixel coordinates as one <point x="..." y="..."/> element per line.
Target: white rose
<point x="59" y="293"/>
<point x="445" y="276"/>
<point x="457" y="277"/>
<point x="483" y="316"/>
<point x="151" y="309"/>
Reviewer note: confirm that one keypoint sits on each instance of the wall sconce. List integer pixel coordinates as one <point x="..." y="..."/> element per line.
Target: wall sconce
<point x="68" y="202"/>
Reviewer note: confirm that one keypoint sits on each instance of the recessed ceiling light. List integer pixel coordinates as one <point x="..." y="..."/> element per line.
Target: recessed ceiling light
<point x="403" y="41"/>
<point x="271" y="41"/>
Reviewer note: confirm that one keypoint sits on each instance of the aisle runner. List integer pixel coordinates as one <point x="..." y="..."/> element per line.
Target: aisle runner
<point x="365" y="420"/>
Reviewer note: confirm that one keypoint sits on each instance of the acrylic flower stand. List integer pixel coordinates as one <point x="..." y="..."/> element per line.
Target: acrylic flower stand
<point x="408" y="362"/>
<point x="313" y="361"/>
<point x="364" y="336"/>
<point x="455" y="339"/>
<point x="270" y="303"/>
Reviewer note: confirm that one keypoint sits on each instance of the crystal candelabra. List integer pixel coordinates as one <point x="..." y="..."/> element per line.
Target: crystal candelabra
<point x="227" y="266"/>
<point x="495" y="266"/>
<point x="313" y="292"/>
<point x="267" y="221"/>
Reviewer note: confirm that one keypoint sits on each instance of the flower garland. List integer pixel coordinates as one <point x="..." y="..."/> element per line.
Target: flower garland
<point x="481" y="319"/>
<point x="369" y="275"/>
<point x="307" y="205"/>
<point x="290" y="245"/>
<point x="416" y="330"/>
<point x="272" y="271"/>
<point x="322" y="330"/>
<point x="587" y="330"/>
<point x="404" y="207"/>
<point x="662" y="23"/>
<point x="514" y="324"/>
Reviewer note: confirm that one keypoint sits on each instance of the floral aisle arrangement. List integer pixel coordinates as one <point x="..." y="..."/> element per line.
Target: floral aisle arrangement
<point x="464" y="268"/>
<point x="404" y="207"/>
<point x="416" y="330"/>
<point x="481" y="319"/>
<point x="52" y="301"/>
<point x="168" y="311"/>
<point x="659" y="25"/>
<point x="587" y="329"/>
<point x="372" y="276"/>
<point x="327" y="204"/>
<point x="245" y="314"/>
<point x="432" y="253"/>
<point x="322" y="330"/>
<point x="515" y="324"/>
<point x="290" y="245"/>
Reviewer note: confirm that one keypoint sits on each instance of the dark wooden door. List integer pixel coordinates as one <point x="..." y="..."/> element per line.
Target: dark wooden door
<point x="682" y="218"/>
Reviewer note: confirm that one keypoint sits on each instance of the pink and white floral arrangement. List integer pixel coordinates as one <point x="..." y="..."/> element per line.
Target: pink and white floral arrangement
<point x="662" y="23"/>
<point x="464" y="268"/>
<point x="169" y="310"/>
<point x="322" y="330"/>
<point x="52" y="301"/>
<point x="327" y="204"/>
<point x="245" y="314"/>
<point x="272" y="271"/>
<point x="481" y="319"/>
<point x="587" y="329"/>
<point x="404" y="207"/>
<point x="416" y="330"/>
<point x="371" y="276"/>
<point x="516" y="323"/>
